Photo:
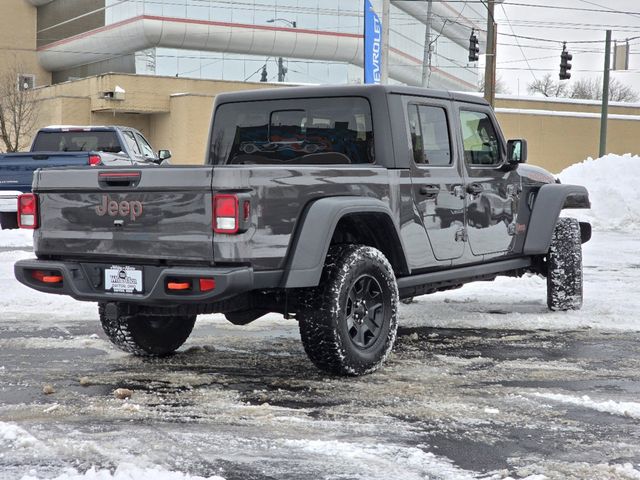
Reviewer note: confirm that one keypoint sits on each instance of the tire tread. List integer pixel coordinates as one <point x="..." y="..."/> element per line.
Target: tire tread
<point x="564" y="267"/>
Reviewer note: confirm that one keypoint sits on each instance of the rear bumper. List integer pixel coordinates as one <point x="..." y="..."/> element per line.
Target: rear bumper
<point x="9" y="200"/>
<point x="85" y="281"/>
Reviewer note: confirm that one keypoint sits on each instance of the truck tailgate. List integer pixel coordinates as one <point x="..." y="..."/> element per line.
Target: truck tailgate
<point x="148" y="215"/>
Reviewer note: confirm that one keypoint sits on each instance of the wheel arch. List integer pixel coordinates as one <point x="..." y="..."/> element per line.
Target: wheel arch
<point x="549" y="201"/>
<point x="334" y="220"/>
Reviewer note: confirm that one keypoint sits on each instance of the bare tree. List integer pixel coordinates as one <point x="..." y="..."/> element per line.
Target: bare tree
<point x="18" y="113"/>
<point x="591" y="89"/>
<point x="619" y="92"/>
<point x="548" y="87"/>
<point x="586" y="89"/>
<point x="501" y="86"/>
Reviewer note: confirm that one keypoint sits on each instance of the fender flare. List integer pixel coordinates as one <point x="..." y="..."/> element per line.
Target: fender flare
<point x="310" y="246"/>
<point x="550" y="200"/>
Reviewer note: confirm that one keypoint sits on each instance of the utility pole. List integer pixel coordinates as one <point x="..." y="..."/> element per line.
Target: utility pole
<point x="605" y="96"/>
<point x="490" y="64"/>
<point x="426" y="59"/>
<point x="384" y="54"/>
<point x="282" y="70"/>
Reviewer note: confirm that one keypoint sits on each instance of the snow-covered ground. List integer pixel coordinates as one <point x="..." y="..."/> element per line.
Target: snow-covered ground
<point x="184" y="407"/>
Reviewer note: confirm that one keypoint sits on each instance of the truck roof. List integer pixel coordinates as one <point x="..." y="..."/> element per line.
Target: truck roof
<point x="344" y="90"/>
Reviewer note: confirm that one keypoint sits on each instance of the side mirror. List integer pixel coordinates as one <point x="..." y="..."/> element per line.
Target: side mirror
<point x="164" y="154"/>
<point x="516" y="151"/>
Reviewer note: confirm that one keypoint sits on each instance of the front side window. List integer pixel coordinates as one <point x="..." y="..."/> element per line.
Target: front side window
<point x="293" y="132"/>
<point x="481" y="144"/>
<point x="429" y="135"/>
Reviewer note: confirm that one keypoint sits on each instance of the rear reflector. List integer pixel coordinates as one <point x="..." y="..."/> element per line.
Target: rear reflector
<point x="225" y="213"/>
<point x="207" y="284"/>
<point x="28" y="211"/>
<point x="52" y="279"/>
<point x="246" y="210"/>
<point x="178" y="285"/>
<point x="94" y="160"/>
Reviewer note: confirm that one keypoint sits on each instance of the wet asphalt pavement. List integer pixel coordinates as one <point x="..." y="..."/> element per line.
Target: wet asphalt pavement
<point x="245" y="404"/>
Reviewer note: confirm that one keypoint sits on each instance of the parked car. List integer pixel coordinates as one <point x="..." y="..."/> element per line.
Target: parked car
<point x="389" y="209"/>
<point x="65" y="146"/>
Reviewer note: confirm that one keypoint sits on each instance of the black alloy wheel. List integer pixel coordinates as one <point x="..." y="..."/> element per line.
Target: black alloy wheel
<point x="365" y="311"/>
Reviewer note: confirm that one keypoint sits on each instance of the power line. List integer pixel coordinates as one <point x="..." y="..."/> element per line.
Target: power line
<point x="608" y="8"/>
<point x="558" y="7"/>
<point x="519" y="46"/>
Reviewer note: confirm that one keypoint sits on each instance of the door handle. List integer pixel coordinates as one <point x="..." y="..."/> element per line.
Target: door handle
<point x="474" y="189"/>
<point x="429" y="190"/>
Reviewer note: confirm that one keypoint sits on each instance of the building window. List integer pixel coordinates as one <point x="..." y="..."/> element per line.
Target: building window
<point x="26" y="81"/>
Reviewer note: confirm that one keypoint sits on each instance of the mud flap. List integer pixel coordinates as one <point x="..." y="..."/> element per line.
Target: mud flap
<point x="585" y="232"/>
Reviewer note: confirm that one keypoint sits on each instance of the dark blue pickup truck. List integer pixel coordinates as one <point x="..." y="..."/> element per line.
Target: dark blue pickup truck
<point x="64" y="146"/>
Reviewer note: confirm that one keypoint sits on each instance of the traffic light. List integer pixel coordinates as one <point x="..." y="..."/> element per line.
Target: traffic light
<point x="474" y="48"/>
<point x="565" y="66"/>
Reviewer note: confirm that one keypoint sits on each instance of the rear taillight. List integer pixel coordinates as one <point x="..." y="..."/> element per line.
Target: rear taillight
<point x="207" y="284"/>
<point x="225" y="213"/>
<point x="28" y="211"/>
<point x="95" y="160"/>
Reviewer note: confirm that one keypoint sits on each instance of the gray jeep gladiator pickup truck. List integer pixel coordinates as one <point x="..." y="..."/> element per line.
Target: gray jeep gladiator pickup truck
<point x="325" y="204"/>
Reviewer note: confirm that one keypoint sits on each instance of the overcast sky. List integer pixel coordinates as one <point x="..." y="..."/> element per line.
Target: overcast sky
<point x="569" y="25"/>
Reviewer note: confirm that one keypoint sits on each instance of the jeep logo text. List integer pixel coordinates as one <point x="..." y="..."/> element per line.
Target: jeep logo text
<point x="124" y="208"/>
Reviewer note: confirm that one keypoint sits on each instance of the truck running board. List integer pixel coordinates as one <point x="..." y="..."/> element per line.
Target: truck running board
<point x="452" y="278"/>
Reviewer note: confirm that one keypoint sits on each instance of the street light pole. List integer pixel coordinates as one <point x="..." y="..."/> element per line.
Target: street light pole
<point x="282" y="70"/>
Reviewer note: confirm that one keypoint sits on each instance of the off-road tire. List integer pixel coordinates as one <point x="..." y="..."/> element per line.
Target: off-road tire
<point x="329" y="341"/>
<point x="146" y="335"/>
<point x="564" y="266"/>
<point x="8" y="220"/>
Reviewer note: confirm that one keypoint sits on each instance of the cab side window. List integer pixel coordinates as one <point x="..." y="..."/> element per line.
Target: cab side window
<point x="147" y="151"/>
<point x="481" y="144"/>
<point x="429" y="135"/>
<point x="131" y="142"/>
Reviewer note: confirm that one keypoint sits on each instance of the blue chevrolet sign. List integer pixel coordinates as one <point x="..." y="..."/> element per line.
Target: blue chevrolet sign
<point x="372" y="44"/>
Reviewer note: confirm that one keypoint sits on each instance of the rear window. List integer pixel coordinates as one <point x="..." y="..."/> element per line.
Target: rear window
<point x="76" y="142"/>
<point x="293" y="132"/>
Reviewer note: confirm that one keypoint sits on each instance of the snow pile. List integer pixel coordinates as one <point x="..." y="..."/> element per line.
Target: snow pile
<point x="13" y="436"/>
<point x="626" y="409"/>
<point x="125" y="472"/>
<point x="381" y="458"/>
<point x="16" y="238"/>
<point x="613" y="183"/>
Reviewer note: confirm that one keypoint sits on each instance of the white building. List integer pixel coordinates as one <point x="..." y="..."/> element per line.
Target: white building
<point x="319" y="41"/>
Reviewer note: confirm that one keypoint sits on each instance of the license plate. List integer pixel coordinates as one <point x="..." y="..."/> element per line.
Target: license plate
<point x="123" y="279"/>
